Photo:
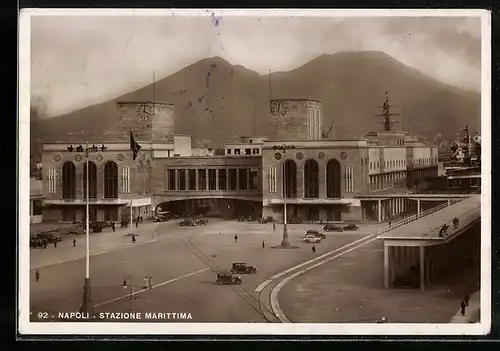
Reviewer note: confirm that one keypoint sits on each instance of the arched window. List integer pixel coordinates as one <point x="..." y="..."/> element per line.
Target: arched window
<point x="92" y="180"/>
<point x="333" y="178"/>
<point x="68" y="181"/>
<point x="110" y="180"/>
<point x="311" y="181"/>
<point x="290" y="178"/>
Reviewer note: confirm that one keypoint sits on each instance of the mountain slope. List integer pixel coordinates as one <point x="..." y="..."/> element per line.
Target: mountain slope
<point x="216" y="101"/>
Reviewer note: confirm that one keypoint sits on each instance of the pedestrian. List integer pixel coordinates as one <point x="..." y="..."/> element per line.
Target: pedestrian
<point x="236" y="238"/>
<point x="146" y="282"/>
<point x="263" y="244"/>
<point x="74" y="242"/>
<point x="274" y="227"/>
<point x="466" y="300"/>
<point x="390" y="224"/>
<point x="113" y="226"/>
<point x="55" y="244"/>
<point x="44" y="245"/>
<point x="141" y="218"/>
<point x="137" y="223"/>
<point x="133" y="238"/>
<point x="313" y="249"/>
<point x="37" y="275"/>
<point x="150" y="282"/>
<point x="462" y="308"/>
<point x="124" y="283"/>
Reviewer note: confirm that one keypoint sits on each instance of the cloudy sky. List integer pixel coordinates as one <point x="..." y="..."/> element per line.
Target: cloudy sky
<point x="79" y="61"/>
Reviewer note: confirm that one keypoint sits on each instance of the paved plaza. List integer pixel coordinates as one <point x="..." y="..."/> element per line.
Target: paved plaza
<point x="350" y="289"/>
<point x="182" y="282"/>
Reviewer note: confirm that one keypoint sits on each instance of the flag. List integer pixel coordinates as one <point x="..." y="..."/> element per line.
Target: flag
<point x="134" y="146"/>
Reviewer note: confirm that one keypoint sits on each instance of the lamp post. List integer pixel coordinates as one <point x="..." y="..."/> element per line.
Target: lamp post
<point x="86" y="306"/>
<point x="285" y="242"/>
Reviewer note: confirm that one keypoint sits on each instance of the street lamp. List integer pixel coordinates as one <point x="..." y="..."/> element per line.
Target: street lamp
<point x="86" y="306"/>
<point x="285" y="242"/>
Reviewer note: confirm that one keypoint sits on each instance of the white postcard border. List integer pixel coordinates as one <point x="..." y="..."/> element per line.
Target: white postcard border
<point x="45" y="328"/>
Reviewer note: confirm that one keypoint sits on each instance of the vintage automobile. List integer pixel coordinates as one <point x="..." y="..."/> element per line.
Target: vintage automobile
<point x="161" y="218"/>
<point x="228" y="278"/>
<point x="243" y="268"/>
<point x="50" y="237"/>
<point x="311" y="239"/>
<point x="316" y="234"/>
<point x="37" y="241"/>
<point x="333" y="228"/>
<point x="201" y="221"/>
<point x="351" y="227"/>
<point x="187" y="223"/>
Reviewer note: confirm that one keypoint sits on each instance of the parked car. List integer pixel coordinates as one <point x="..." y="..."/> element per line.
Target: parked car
<point x="50" y="237"/>
<point x="243" y="268"/>
<point x="351" y="227"/>
<point x="228" y="278"/>
<point x="201" y="221"/>
<point x="333" y="228"/>
<point x="316" y="234"/>
<point x="161" y="218"/>
<point x="187" y="223"/>
<point x="309" y="238"/>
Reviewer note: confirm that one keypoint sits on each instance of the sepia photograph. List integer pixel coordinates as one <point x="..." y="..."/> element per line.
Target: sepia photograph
<point x="266" y="172"/>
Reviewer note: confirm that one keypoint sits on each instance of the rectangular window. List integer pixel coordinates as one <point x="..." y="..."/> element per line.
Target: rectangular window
<point x="255" y="151"/>
<point x="236" y="151"/>
<point x="272" y="179"/>
<point x="229" y="151"/>
<point x="192" y="179"/>
<point x="222" y="179"/>
<point x="243" y="179"/>
<point x="248" y="151"/>
<point x="202" y="179"/>
<point x="212" y="179"/>
<point x="125" y="180"/>
<point x="37" y="208"/>
<point x="171" y="179"/>
<point x="254" y="179"/>
<point x="182" y="179"/>
<point x="52" y="181"/>
<point x="232" y="179"/>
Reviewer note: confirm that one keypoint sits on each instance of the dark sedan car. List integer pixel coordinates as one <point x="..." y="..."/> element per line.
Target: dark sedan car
<point x="228" y="278"/>
<point x="243" y="268"/>
<point x="351" y="227"/>
<point x="316" y="234"/>
<point x="187" y="223"/>
<point x="333" y="228"/>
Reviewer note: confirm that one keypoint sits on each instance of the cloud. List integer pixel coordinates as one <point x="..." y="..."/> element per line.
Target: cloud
<point x="77" y="61"/>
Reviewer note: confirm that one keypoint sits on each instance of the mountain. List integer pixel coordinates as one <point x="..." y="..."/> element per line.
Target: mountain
<point x="218" y="102"/>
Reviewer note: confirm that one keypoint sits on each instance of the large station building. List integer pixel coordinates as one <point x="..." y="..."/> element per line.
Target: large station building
<point x="319" y="178"/>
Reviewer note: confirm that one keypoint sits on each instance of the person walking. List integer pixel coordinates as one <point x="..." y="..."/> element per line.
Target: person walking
<point x="274" y="227"/>
<point x="263" y="244"/>
<point x="462" y="308"/>
<point x="55" y="244"/>
<point x="146" y="283"/>
<point x="313" y="249"/>
<point x="137" y="222"/>
<point x="133" y="238"/>
<point x="113" y="226"/>
<point x="466" y="300"/>
<point x="150" y="283"/>
<point x="236" y="238"/>
<point x="390" y="224"/>
<point x="74" y="242"/>
<point x="37" y="275"/>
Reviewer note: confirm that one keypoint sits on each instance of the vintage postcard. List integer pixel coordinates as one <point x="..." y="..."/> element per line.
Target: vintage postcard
<point x="254" y="172"/>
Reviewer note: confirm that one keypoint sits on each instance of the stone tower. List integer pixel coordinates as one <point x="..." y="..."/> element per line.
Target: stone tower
<point x="296" y="119"/>
<point x="148" y="121"/>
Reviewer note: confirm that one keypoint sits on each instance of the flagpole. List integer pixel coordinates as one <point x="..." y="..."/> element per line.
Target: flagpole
<point x="130" y="189"/>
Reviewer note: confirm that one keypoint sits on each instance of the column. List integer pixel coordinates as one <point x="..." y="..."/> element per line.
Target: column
<point x="187" y="178"/>
<point x="216" y="179"/>
<point x="427" y="265"/>
<point x="384" y="204"/>
<point x="206" y="179"/>
<point x="386" y="265"/>
<point x="379" y="208"/>
<point x="197" y="177"/>
<point x="422" y="268"/>
<point x="418" y="207"/>
<point x="176" y="179"/>
<point x="227" y="178"/>
<point x="237" y="179"/>
<point x="392" y="263"/>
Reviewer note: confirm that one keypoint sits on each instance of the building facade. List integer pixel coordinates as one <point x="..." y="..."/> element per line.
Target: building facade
<point x="335" y="180"/>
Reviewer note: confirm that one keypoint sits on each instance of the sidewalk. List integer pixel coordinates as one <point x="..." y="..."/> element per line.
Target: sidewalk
<point x="472" y="312"/>
<point x="100" y="243"/>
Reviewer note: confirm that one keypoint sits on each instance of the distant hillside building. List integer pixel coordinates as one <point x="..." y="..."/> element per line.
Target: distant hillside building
<point x="336" y="180"/>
